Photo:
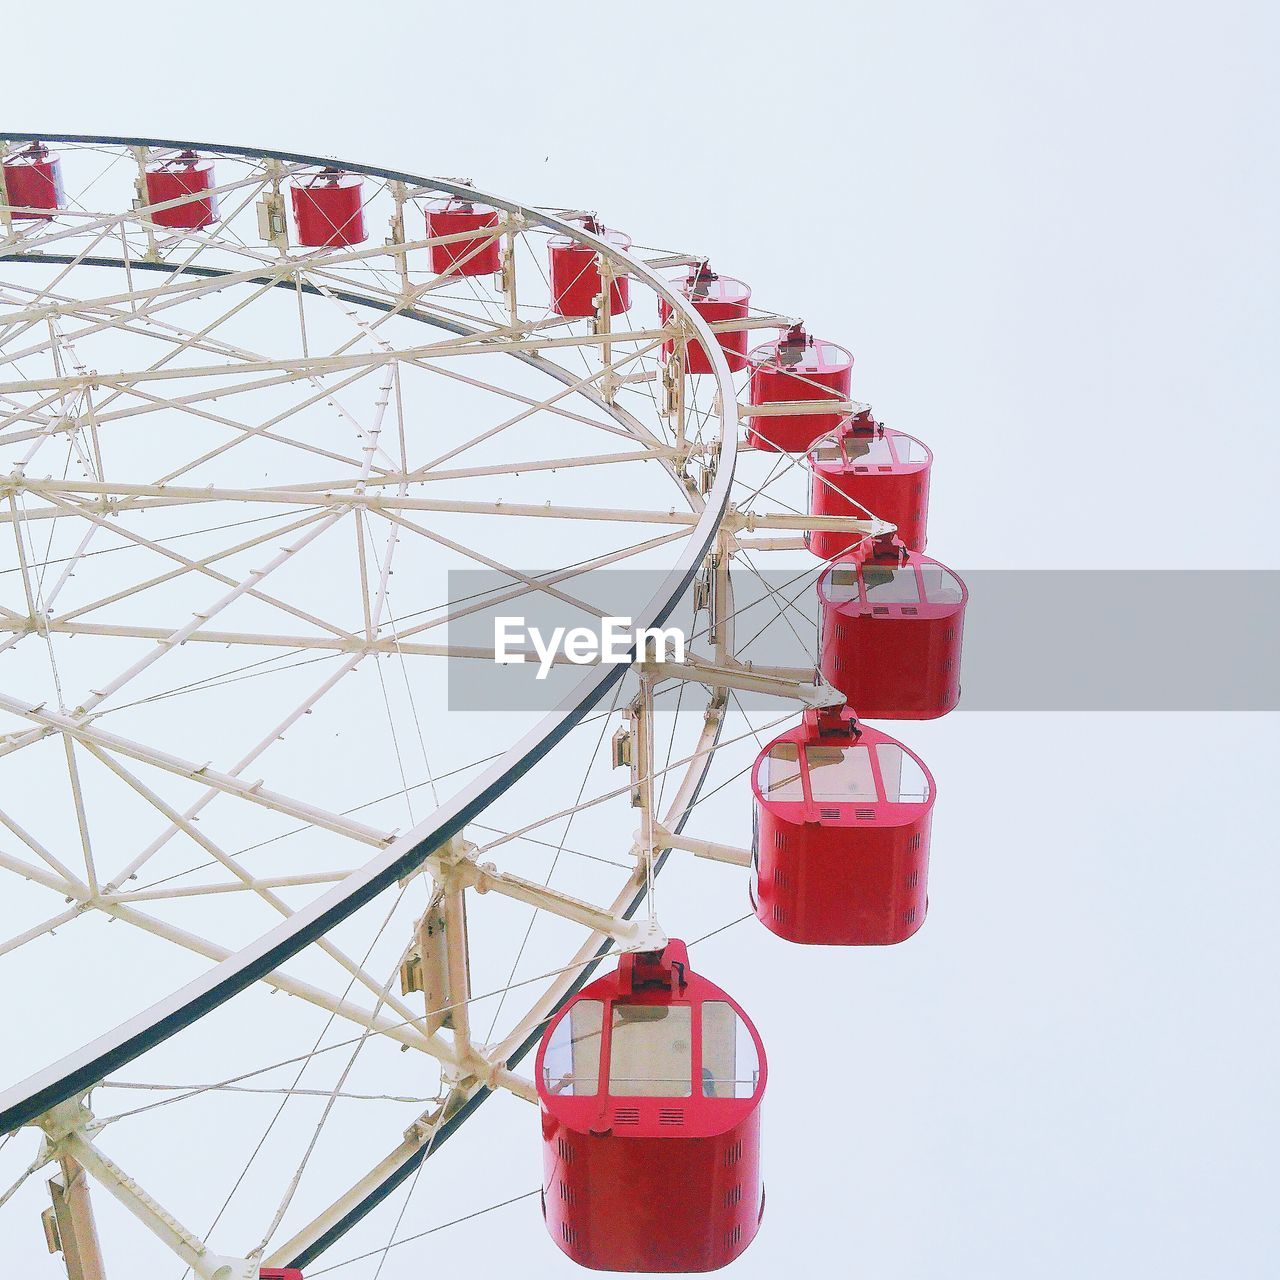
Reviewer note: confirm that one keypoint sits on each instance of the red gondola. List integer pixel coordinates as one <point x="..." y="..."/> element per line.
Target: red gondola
<point x="328" y="208"/>
<point x="714" y="297"/>
<point x="280" y="1273"/>
<point x="892" y="628"/>
<point x="575" y="273"/>
<point x="862" y="468"/>
<point x="797" y="366"/>
<point x="842" y="834"/>
<point x="475" y="256"/>
<point x="33" y="181"/>
<point x="184" y="177"/>
<point x="650" y="1082"/>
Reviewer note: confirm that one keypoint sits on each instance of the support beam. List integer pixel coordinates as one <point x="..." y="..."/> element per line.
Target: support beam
<point x="788" y="408"/>
<point x="797" y="684"/>
<point x="750" y="521"/>
<point x="74" y="1228"/>
<point x="769" y="544"/>
<point x="64" y="1128"/>
<point x="59" y="722"/>
<point x="630" y="934"/>
<point x="387" y="644"/>
<point x="706" y="848"/>
<point x="345" y="501"/>
<point x="417" y="1137"/>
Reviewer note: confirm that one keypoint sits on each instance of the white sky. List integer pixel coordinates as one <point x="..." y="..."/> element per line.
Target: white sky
<point x="1048" y="235"/>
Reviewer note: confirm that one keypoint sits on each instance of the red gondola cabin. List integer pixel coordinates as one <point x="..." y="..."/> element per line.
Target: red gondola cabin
<point x="650" y="1082"/>
<point x="477" y="255"/>
<point x="186" y="178"/>
<point x="575" y="273"/>
<point x="796" y="367"/>
<point x="714" y="297"/>
<point x="892" y="626"/>
<point x="865" y="468"/>
<point x="328" y="208"/>
<point x="842" y="834"/>
<point x="33" y="181"/>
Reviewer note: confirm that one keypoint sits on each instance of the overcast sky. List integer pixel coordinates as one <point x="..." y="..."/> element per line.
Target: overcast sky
<point x="1048" y="235"/>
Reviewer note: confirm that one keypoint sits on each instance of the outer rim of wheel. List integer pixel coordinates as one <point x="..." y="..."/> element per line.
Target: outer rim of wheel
<point x="79" y="1071"/>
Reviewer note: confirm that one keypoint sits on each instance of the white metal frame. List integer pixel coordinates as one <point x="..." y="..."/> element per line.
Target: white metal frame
<point x="635" y="396"/>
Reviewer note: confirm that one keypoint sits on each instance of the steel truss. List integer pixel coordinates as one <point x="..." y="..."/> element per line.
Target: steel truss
<point x="612" y="380"/>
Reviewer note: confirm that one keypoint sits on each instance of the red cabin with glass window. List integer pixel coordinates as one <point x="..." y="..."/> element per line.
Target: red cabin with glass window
<point x="328" y="208"/>
<point x="33" y="181"/>
<point x="892" y="626"/>
<point x="841" y="852"/>
<point x="188" y="178"/>
<point x="714" y="297"/>
<point x="575" y="273"/>
<point x="863" y="469"/>
<point x="796" y="367"/>
<point x="650" y="1082"/>
<point x="473" y="256"/>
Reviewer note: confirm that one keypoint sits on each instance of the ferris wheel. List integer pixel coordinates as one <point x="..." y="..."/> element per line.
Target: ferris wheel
<point x="287" y="442"/>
